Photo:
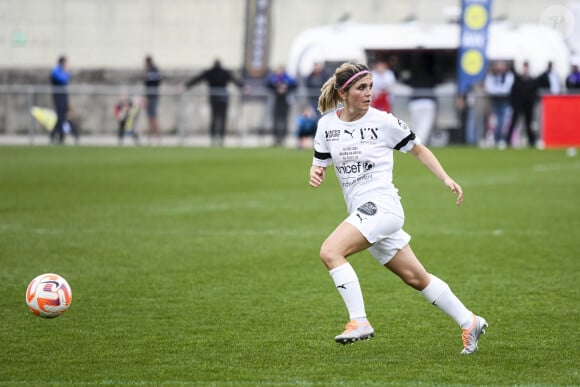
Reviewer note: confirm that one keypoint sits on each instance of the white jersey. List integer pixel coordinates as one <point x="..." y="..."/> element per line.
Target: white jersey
<point x="362" y="153"/>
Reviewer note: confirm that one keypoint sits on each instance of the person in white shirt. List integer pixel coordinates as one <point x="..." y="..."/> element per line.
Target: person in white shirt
<point x="498" y="85"/>
<point x="359" y="140"/>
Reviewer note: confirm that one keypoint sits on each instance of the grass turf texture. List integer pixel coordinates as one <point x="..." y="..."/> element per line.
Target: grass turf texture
<point x="200" y="267"/>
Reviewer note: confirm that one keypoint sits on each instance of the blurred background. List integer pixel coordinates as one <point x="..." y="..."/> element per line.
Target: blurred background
<point x="106" y="43"/>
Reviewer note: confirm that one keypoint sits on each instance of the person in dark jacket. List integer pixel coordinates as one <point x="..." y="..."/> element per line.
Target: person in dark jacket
<point x="59" y="78"/>
<point x="217" y="79"/>
<point x="423" y="104"/>
<point x="549" y="80"/>
<point x="313" y="84"/>
<point x="152" y="81"/>
<point x="523" y="98"/>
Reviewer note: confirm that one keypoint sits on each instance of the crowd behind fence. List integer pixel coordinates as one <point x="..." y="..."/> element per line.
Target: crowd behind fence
<point x="186" y="115"/>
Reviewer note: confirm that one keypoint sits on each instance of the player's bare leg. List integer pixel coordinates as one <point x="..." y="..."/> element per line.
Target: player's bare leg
<point x="406" y="265"/>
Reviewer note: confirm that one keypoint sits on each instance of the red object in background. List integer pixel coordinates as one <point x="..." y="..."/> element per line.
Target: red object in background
<point x="381" y="102"/>
<point x="561" y="120"/>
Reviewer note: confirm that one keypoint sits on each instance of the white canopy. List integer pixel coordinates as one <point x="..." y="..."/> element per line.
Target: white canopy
<point x="536" y="43"/>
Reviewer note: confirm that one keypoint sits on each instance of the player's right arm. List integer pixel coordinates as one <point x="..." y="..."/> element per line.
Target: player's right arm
<point x="322" y="157"/>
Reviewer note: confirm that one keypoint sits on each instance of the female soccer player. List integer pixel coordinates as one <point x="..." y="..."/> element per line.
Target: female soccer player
<point x="360" y="140"/>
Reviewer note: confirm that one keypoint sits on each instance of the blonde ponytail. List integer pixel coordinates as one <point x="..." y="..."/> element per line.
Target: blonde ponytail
<point x="329" y="97"/>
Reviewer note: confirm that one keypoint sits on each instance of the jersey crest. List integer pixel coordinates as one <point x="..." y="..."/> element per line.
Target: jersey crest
<point x="369" y="208"/>
<point x="402" y="124"/>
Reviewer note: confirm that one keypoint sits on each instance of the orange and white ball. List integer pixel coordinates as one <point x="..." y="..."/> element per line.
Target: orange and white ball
<point x="48" y="295"/>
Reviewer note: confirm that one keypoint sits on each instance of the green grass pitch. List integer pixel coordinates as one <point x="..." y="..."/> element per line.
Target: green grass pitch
<point x="200" y="267"/>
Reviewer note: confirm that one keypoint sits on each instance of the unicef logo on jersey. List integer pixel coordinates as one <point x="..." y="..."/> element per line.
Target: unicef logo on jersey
<point x="355" y="168"/>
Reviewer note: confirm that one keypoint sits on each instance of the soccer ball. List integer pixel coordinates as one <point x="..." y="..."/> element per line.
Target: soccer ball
<point x="48" y="295"/>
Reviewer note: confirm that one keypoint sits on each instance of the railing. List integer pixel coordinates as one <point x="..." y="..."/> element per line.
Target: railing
<point x="186" y="115"/>
<point x="179" y="114"/>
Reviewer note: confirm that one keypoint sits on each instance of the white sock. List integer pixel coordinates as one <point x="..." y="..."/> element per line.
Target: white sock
<point x="348" y="286"/>
<point x="439" y="294"/>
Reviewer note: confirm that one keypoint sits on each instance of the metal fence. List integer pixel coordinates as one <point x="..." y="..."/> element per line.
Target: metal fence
<point x="92" y="110"/>
<point x="187" y="115"/>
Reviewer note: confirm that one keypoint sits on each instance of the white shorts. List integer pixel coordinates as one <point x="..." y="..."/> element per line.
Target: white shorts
<point x="381" y="223"/>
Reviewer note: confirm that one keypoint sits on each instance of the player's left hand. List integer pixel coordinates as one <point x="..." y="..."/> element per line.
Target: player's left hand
<point x="455" y="188"/>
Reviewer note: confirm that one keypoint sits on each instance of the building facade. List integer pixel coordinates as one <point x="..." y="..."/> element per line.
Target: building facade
<point x="190" y="34"/>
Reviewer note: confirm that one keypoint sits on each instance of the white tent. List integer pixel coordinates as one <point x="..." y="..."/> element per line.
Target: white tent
<point x="536" y="43"/>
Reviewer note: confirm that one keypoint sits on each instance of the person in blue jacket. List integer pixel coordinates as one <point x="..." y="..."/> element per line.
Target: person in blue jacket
<point x="59" y="78"/>
<point x="282" y="84"/>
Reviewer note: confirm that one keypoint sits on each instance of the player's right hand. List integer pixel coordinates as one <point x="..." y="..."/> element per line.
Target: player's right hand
<point x="316" y="175"/>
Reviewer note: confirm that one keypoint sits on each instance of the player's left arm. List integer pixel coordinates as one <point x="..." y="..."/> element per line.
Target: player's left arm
<point x="428" y="159"/>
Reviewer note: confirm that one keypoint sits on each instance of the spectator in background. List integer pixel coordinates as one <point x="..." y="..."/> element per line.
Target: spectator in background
<point x="126" y="113"/>
<point x="573" y="79"/>
<point x="313" y="83"/>
<point x="217" y="79"/>
<point x="383" y="81"/>
<point x="423" y="105"/>
<point x="282" y="84"/>
<point x="549" y="80"/>
<point x="523" y="97"/>
<point x="59" y="79"/>
<point x="498" y="84"/>
<point x="464" y="107"/>
<point x="152" y="82"/>
<point x="469" y="111"/>
<point x="306" y="126"/>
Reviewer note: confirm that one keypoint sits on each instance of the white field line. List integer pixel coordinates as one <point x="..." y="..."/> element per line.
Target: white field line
<point x="555" y="167"/>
